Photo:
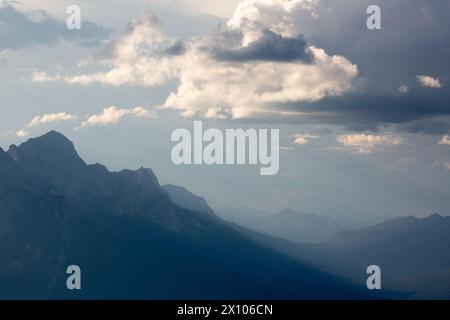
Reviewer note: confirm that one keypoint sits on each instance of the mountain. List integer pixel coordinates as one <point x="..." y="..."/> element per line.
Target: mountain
<point x="187" y="200"/>
<point x="412" y="253"/>
<point x="296" y="226"/>
<point x="242" y="216"/>
<point x="289" y="225"/>
<point x="129" y="238"/>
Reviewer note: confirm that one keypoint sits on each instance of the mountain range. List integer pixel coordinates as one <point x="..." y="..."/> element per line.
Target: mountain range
<point x="130" y="238"/>
<point x="290" y="225"/>
<point x="410" y="251"/>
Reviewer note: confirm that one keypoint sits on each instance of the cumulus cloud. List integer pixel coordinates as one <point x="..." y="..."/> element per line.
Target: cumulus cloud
<point x="22" y="133"/>
<point x="255" y="62"/>
<point x="52" y="117"/>
<point x="403" y="89"/>
<point x="445" y="140"/>
<point x="276" y="15"/>
<point x="133" y="59"/>
<point x="429" y="82"/>
<point x="242" y="68"/>
<point x="265" y="62"/>
<point x="21" y="29"/>
<point x="268" y="47"/>
<point x="211" y="88"/>
<point x="367" y="143"/>
<point x="112" y="115"/>
<point x="303" y="138"/>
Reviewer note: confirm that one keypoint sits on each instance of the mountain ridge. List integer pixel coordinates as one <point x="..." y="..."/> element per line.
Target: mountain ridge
<point x="130" y="239"/>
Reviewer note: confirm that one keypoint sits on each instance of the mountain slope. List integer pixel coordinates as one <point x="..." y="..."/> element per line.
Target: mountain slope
<point x="289" y="225"/>
<point x="187" y="200"/>
<point x="412" y="253"/>
<point x="128" y="237"/>
<point x="242" y="216"/>
<point x="296" y="226"/>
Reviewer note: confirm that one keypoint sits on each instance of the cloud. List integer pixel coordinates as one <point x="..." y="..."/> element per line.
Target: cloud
<point x="304" y="139"/>
<point x="445" y="140"/>
<point x="429" y="82"/>
<point x="434" y="125"/>
<point x="280" y="16"/>
<point x="177" y="49"/>
<point x="366" y="143"/>
<point x="295" y="61"/>
<point x="53" y="117"/>
<point x="268" y="47"/>
<point x="253" y="62"/>
<point x="237" y="71"/>
<point x="133" y="59"/>
<point x="112" y="115"/>
<point x="403" y="89"/>
<point x="22" y="133"/>
<point x="19" y="30"/>
<point x="217" y="89"/>
<point x="417" y="44"/>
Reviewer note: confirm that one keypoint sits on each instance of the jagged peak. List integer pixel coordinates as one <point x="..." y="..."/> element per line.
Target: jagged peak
<point x="52" y="146"/>
<point x="6" y="163"/>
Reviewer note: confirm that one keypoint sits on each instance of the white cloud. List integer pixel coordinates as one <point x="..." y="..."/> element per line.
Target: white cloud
<point x="304" y="139"/>
<point x="22" y="133"/>
<point x="134" y="59"/>
<point x="213" y="88"/>
<point x="277" y="15"/>
<point x="445" y="140"/>
<point x="366" y="143"/>
<point x="429" y="82"/>
<point x="403" y="89"/>
<point x="52" y="117"/>
<point x="112" y="115"/>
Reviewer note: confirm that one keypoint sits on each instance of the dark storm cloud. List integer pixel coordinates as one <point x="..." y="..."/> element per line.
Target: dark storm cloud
<point x="434" y="125"/>
<point x="17" y="30"/>
<point x="269" y="47"/>
<point x="418" y="112"/>
<point x="414" y="40"/>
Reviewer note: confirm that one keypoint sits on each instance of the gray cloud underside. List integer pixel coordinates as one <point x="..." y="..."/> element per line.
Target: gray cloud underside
<point x="177" y="49"/>
<point x="269" y="47"/>
<point x="423" y="112"/>
<point x="414" y="40"/>
<point x="18" y="30"/>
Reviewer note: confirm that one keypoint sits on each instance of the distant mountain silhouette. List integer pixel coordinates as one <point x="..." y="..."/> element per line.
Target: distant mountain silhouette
<point x="297" y="226"/>
<point x="129" y="238"/>
<point x="289" y="225"/>
<point x="243" y="216"/>
<point x="412" y="253"/>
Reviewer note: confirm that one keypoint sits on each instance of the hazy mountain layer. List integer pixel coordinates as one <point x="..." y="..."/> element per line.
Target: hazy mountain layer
<point x="128" y="237"/>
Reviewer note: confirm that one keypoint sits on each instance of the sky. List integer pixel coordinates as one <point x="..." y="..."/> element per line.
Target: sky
<point x="364" y="115"/>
